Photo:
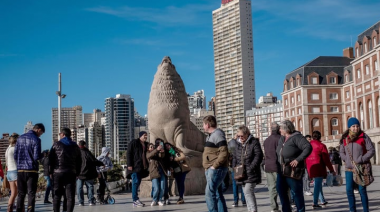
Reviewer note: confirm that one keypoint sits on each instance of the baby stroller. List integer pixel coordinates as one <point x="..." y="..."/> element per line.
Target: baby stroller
<point x="107" y="199"/>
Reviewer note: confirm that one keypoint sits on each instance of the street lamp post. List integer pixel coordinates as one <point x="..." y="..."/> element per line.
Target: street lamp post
<point x="60" y="96"/>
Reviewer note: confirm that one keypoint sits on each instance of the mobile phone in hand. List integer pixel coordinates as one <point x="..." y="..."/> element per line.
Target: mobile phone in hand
<point x="162" y="144"/>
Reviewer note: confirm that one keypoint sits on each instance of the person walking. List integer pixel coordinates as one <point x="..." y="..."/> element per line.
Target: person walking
<point x="250" y="155"/>
<point x="215" y="162"/>
<point x="137" y="164"/>
<point x="65" y="165"/>
<point x="180" y="168"/>
<point x="292" y="150"/>
<point x="316" y="164"/>
<point x="270" y="145"/>
<point x="102" y="172"/>
<point x="11" y="170"/>
<point x="236" y="188"/>
<point x="87" y="174"/>
<point x="306" y="177"/>
<point x="27" y="153"/>
<point x="46" y="165"/>
<point x="357" y="145"/>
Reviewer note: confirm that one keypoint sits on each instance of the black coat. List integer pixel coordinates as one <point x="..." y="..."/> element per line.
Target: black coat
<point x="45" y="163"/>
<point x="253" y="156"/>
<point x="65" y="157"/>
<point x="89" y="164"/>
<point x="270" y="145"/>
<point x="136" y="158"/>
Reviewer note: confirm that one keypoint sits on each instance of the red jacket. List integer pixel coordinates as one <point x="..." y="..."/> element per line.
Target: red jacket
<point x="318" y="160"/>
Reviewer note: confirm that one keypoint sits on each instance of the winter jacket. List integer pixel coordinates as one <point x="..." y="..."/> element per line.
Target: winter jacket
<point x="296" y="147"/>
<point x="318" y="160"/>
<point x="361" y="149"/>
<point x="136" y="156"/>
<point x="105" y="160"/>
<point x="28" y="151"/>
<point x="335" y="158"/>
<point x="65" y="157"/>
<point x="156" y="161"/>
<point x="215" y="152"/>
<point x="252" y="156"/>
<point x="89" y="164"/>
<point x="270" y="145"/>
<point x="45" y="163"/>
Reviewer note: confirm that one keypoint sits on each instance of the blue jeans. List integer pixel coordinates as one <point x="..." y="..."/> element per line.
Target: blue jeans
<point x="159" y="185"/>
<point x="351" y="196"/>
<point x="48" y="187"/>
<point x="283" y="185"/>
<point x="214" y="195"/>
<point x="236" y="189"/>
<point x="180" y="180"/>
<point x="90" y="190"/>
<point x="136" y="181"/>
<point x="318" y="191"/>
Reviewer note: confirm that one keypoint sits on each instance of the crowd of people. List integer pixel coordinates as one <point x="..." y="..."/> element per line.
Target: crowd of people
<point x="291" y="160"/>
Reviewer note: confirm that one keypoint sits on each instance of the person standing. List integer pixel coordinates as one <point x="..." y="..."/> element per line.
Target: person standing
<point x="232" y="145"/>
<point x="270" y="145"/>
<point x="87" y="174"/>
<point x="357" y="145"/>
<point x="157" y="171"/>
<point x="215" y="162"/>
<point x="250" y="155"/>
<point x="137" y="164"/>
<point x="45" y="163"/>
<point x="306" y="177"/>
<point x="65" y="165"/>
<point x="27" y="153"/>
<point x="102" y="172"/>
<point x="316" y="164"/>
<point x="11" y="170"/>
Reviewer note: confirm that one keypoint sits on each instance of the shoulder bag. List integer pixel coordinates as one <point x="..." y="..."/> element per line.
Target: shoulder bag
<point x="362" y="172"/>
<point x="288" y="170"/>
<point x="239" y="171"/>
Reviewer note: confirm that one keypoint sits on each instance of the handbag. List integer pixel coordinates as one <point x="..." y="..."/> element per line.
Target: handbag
<point x="289" y="171"/>
<point x="362" y="173"/>
<point x="239" y="171"/>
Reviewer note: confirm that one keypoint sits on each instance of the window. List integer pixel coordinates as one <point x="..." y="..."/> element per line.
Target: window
<point x="314" y="96"/>
<point x="357" y="52"/>
<point x="300" y="124"/>
<point x="334" y="132"/>
<point x="315" y="110"/>
<point x="299" y="111"/>
<point x="365" y="47"/>
<point x="315" y="122"/>
<point x="334" y="122"/>
<point x="291" y="85"/>
<point x="374" y="41"/>
<point x="347" y="94"/>
<point x="334" y="109"/>
<point x="347" y="78"/>
<point x="333" y="96"/>
<point x="358" y="73"/>
<point x="292" y="100"/>
<point x="376" y="65"/>
<point x="286" y="114"/>
<point x="367" y="69"/>
<point x="314" y="80"/>
<point x="298" y="97"/>
<point x="286" y="101"/>
<point x="361" y="112"/>
<point x="332" y="80"/>
<point x="348" y="107"/>
<point x="370" y="111"/>
<point x="292" y="112"/>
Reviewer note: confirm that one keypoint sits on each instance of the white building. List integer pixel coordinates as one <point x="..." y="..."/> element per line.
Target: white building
<point x="95" y="138"/>
<point x="119" y="126"/>
<point x="82" y="134"/>
<point x="92" y="117"/>
<point x="233" y="62"/>
<point x="28" y="126"/>
<point x="197" y="101"/>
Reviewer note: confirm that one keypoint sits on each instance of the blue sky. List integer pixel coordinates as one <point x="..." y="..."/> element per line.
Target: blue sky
<point x="103" y="48"/>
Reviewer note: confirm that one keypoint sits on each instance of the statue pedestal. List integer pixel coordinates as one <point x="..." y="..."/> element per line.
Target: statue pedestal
<point x="195" y="184"/>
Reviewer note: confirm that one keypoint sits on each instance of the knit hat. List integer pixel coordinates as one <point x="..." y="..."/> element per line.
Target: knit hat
<point x="352" y="121"/>
<point x="142" y="133"/>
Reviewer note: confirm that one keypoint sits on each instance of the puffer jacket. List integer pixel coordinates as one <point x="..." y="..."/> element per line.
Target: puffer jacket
<point x="65" y="157"/>
<point x="28" y="151"/>
<point x="361" y="150"/>
<point x="89" y="164"/>
<point x="253" y="156"/>
<point x="156" y="159"/>
<point x="105" y="160"/>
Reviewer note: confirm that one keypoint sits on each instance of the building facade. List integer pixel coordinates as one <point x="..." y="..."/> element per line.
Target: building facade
<point x="4" y="143"/>
<point x="197" y="101"/>
<point x="119" y="126"/>
<point x="70" y="118"/>
<point x="95" y="116"/>
<point x="197" y="119"/>
<point x="233" y="63"/>
<point x="28" y="126"/>
<point x="95" y="137"/>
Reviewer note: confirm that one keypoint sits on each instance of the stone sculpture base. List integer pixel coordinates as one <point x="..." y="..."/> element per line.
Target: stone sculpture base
<point x="195" y="183"/>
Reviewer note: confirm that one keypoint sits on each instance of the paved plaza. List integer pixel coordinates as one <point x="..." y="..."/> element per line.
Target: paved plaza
<point x="336" y="197"/>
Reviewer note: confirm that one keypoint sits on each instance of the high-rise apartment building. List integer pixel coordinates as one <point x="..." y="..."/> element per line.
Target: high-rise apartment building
<point x="70" y="118"/>
<point x="92" y="117"/>
<point x="28" y="126"/>
<point x="119" y="126"/>
<point x="197" y="102"/>
<point x="4" y="143"/>
<point x="95" y="137"/>
<point x="233" y="62"/>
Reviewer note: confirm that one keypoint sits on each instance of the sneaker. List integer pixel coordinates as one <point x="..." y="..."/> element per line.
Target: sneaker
<point x="160" y="203"/>
<point x="316" y="206"/>
<point x="235" y="204"/>
<point x="180" y="201"/>
<point x="308" y="193"/>
<point x="244" y="203"/>
<point x="91" y="203"/>
<point x="324" y="204"/>
<point x="80" y="204"/>
<point x="356" y="191"/>
<point x="154" y="203"/>
<point x="47" y="202"/>
<point x="167" y="202"/>
<point x="138" y="203"/>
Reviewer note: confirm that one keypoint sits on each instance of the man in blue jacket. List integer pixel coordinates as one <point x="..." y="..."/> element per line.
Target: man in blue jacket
<point x="27" y="153"/>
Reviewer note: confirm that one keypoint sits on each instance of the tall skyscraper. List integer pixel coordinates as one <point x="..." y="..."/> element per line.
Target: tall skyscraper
<point x="234" y="66"/>
<point x="70" y="118"/>
<point x="92" y="117"/>
<point x="119" y="126"/>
